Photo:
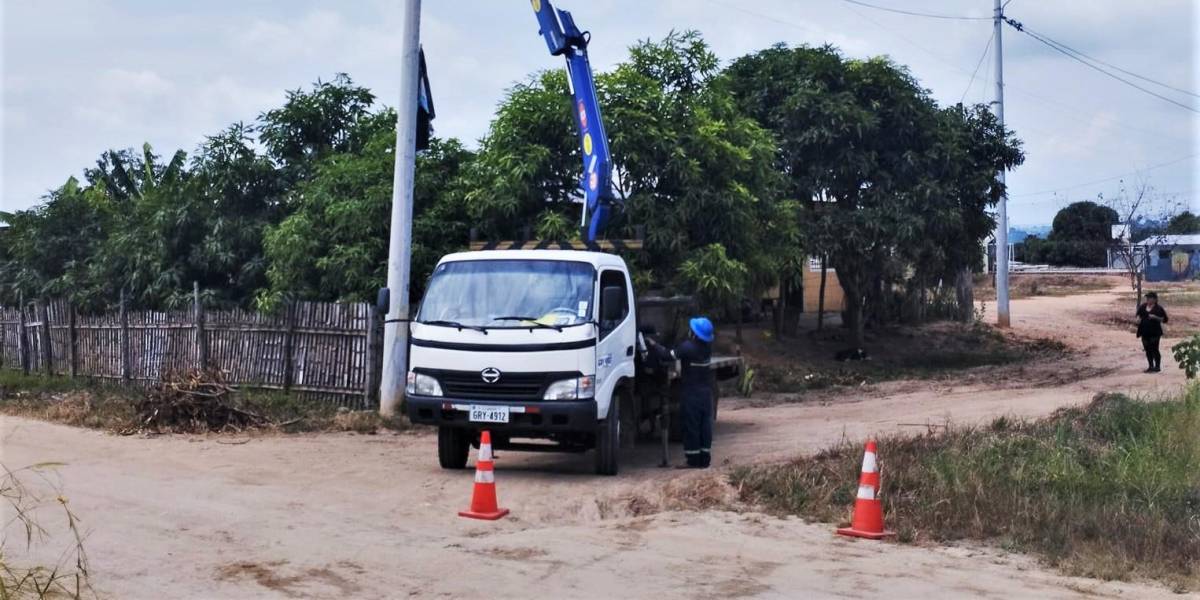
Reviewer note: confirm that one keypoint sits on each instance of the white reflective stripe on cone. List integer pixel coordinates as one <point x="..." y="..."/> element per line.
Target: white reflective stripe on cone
<point x="485" y="452"/>
<point x="869" y="465"/>
<point x="865" y="492"/>
<point x="490" y="477"/>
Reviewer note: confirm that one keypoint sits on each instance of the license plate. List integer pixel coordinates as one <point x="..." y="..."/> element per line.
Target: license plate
<point x="488" y="414"/>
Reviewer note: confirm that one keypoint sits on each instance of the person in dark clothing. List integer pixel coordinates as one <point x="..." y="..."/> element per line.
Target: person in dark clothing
<point x="1151" y="316"/>
<point x="696" y="405"/>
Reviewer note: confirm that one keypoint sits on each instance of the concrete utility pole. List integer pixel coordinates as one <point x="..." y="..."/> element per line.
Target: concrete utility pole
<point x="1002" y="318"/>
<point x="395" y="329"/>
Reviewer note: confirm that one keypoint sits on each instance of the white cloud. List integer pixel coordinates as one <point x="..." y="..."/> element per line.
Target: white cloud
<point x="81" y="76"/>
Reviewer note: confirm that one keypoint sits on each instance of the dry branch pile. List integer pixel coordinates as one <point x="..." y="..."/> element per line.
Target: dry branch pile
<point x="193" y="401"/>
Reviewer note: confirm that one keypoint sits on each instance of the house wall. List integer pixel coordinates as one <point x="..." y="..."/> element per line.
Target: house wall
<point x="1181" y="263"/>
<point x="834" y="298"/>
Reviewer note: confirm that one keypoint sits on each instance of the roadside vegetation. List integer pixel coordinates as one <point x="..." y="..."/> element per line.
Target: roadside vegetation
<point x="187" y="404"/>
<point x="28" y="498"/>
<point x="1110" y="490"/>
<point x="930" y="351"/>
<point x="1031" y="286"/>
<point x="736" y="173"/>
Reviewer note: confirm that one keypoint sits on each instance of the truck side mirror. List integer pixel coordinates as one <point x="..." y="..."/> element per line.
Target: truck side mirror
<point x="612" y="303"/>
<point x="383" y="301"/>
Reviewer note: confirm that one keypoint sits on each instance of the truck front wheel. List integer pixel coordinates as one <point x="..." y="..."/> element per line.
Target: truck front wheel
<point x="608" y="439"/>
<point x="454" y="445"/>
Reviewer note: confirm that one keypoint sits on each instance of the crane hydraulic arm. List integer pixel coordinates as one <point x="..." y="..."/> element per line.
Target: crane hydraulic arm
<point x="564" y="39"/>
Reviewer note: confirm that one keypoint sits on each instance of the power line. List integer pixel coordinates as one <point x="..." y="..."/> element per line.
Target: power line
<point x="917" y="14"/>
<point x="756" y="14"/>
<point x="1106" y="179"/>
<point x="1112" y="66"/>
<point x="1053" y="45"/>
<point x="1072" y="112"/>
<point x="987" y="47"/>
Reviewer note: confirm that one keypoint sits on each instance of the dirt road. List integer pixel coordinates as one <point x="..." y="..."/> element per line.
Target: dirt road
<point x="373" y="516"/>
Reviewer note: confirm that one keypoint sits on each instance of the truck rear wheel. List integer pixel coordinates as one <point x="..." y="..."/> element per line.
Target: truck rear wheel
<point x="608" y="440"/>
<point x="454" y="446"/>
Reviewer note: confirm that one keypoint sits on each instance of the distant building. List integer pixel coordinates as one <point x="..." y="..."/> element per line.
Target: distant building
<point x="835" y="298"/>
<point x="1169" y="258"/>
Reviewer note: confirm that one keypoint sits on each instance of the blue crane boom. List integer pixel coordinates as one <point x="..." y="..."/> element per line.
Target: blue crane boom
<point x="564" y="39"/>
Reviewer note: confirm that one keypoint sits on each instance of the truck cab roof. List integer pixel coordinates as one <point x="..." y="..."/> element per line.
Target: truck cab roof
<point x="596" y="259"/>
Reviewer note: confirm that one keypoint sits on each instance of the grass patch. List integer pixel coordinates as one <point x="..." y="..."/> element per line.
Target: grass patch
<point x="926" y="352"/>
<point x="1110" y="490"/>
<point x="1035" y="285"/>
<point x="108" y="407"/>
<point x="72" y="402"/>
<point x="293" y="413"/>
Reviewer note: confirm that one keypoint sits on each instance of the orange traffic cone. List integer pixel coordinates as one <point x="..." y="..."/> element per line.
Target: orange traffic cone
<point x="483" y="500"/>
<point x="868" y="508"/>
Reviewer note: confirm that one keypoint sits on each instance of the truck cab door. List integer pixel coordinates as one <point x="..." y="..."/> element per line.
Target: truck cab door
<point x="618" y="335"/>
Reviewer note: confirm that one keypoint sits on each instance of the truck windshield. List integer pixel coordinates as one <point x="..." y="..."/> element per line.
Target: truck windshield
<point x="509" y="294"/>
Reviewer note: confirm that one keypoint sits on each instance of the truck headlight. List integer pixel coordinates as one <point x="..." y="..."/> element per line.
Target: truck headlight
<point x="579" y="388"/>
<point x="420" y="384"/>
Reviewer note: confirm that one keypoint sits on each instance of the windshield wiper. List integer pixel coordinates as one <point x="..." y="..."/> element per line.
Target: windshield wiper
<point x="456" y="325"/>
<point x="532" y="322"/>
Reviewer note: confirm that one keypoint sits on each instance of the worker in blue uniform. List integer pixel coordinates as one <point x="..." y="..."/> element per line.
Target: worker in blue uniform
<point x="696" y="404"/>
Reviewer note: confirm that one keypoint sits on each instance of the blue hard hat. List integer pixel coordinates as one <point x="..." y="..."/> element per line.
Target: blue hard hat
<point x="703" y="328"/>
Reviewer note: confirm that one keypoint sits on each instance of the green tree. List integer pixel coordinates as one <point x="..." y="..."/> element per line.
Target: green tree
<point x="334" y="246"/>
<point x="1184" y="223"/>
<point x="692" y="169"/>
<point x="313" y="124"/>
<point x="48" y="248"/>
<point x="1080" y="235"/>
<point x="877" y="163"/>
<point x="718" y="280"/>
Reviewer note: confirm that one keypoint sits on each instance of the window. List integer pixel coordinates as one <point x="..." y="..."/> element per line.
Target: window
<point x="503" y="293"/>
<point x="613" y="279"/>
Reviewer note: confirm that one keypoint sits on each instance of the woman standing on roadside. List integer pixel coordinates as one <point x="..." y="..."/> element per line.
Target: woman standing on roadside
<point x="1151" y="316"/>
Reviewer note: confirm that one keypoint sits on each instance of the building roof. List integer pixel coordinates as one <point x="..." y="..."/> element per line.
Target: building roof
<point x="1191" y="239"/>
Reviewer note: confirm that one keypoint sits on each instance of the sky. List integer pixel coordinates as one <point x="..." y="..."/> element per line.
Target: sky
<point x="83" y="76"/>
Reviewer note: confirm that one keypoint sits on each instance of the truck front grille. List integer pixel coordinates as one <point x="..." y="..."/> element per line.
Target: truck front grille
<point x="469" y="385"/>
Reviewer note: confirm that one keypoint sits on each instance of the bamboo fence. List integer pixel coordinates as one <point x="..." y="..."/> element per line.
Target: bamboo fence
<point x="329" y="351"/>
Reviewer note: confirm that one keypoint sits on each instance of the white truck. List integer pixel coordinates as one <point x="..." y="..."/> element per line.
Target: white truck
<point x="541" y="345"/>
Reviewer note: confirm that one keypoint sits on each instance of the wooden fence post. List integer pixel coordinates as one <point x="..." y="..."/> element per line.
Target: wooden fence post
<point x="43" y="310"/>
<point x="374" y="356"/>
<point x="198" y="320"/>
<point x="22" y="336"/>
<point x="126" y="371"/>
<point x="72" y="342"/>
<point x="289" y="344"/>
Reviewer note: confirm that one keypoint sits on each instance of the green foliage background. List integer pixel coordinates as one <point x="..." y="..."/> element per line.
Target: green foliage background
<point x="737" y="175"/>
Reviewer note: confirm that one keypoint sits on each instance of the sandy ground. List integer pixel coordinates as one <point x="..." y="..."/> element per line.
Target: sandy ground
<point x="324" y="516"/>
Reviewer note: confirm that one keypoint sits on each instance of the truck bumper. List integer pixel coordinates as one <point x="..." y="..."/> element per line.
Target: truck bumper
<point x="532" y="419"/>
